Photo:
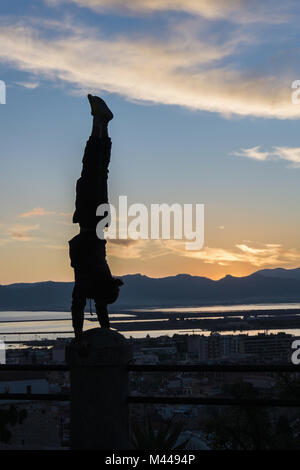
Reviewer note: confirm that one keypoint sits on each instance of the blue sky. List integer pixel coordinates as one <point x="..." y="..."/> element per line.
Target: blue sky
<point x="201" y="93"/>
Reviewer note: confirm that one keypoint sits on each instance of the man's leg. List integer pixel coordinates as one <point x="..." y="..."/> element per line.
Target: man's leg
<point x="78" y="306"/>
<point x="91" y="189"/>
<point x="102" y="312"/>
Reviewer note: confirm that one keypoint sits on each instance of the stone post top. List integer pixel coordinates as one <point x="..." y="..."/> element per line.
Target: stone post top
<point x="103" y="337"/>
<point x="99" y="347"/>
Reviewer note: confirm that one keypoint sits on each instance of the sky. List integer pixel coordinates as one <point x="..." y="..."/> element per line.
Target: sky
<point x="201" y="91"/>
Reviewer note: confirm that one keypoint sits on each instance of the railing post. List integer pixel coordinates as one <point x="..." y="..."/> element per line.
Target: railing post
<point x="99" y="390"/>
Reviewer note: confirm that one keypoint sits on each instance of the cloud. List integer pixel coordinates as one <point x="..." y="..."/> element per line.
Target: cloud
<point x="136" y="249"/>
<point x="253" y="152"/>
<point x="290" y="154"/>
<point x="21" y="232"/>
<point x="180" y="68"/>
<point x="37" y="211"/>
<point x="123" y="242"/>
<point x="125" y="251"/>
<point x="269" y="254"/>
<point x="30" y="85"/>
<point x="241" y="11"/>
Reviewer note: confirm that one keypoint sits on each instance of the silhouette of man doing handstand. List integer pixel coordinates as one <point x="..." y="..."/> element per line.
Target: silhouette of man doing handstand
<point x="93" y="279"/>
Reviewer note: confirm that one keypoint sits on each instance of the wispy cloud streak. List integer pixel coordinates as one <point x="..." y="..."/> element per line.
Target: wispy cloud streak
<point x="290" y="154"/>
<point x="182" y="69"/>
<point x="270" y="254"/>
<point x="241" y="11"/>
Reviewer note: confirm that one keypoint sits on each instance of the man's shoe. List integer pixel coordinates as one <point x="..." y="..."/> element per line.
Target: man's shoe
<point x="99" y="108"/>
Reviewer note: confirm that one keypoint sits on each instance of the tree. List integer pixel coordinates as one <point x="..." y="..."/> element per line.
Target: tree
<point x="238" y="427"/>
<point x="163" y="439"/>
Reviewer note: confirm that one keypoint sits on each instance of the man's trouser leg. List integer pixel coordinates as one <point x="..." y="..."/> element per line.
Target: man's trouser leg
<point x="102" y="313"/>
<point x="78" y="306"/>
<point x="91" y="188"/>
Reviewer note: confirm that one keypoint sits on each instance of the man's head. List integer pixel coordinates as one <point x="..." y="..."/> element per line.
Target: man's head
<point x="111" y="289"/>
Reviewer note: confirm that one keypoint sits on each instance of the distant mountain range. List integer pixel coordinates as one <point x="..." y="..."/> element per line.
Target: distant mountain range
<point x="281" y="273"/>
<point x="267" y="285"/>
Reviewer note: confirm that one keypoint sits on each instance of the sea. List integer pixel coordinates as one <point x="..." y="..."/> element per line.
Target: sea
<point x="24" y="326"/>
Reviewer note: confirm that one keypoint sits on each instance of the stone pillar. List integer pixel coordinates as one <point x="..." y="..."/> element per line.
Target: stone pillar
<point x="99" y="390"/>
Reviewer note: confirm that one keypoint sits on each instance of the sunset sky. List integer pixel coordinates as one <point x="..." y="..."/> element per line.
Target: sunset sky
<point x="201" y="92"/>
